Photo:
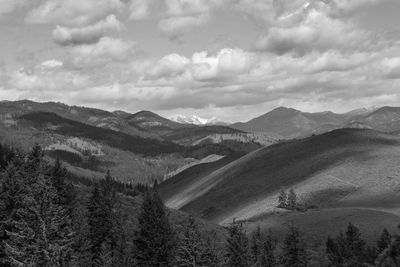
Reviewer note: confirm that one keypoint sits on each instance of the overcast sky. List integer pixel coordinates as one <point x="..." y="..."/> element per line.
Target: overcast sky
<point x="233" y="59"/>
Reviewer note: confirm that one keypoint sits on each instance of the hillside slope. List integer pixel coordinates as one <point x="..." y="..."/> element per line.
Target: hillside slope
<point x="342" y="168"/>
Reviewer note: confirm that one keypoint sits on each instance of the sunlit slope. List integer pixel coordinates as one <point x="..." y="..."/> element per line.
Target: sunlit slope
<point x="172" y="187"/>
<point x="343" y="168"/>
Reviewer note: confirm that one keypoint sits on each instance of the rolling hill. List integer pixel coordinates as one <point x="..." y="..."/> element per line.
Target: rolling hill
<point x="346" y="168"/>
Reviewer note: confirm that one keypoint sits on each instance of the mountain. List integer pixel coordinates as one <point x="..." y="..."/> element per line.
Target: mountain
<point x="288" y="123"/>
<point x="385" y="119"/>
<point x="94" y="117"/>
<point x="196" y="120"/>
<point x="137" y="148"/>
<point x="346" y="174"/>
<point x="291" y="123"/>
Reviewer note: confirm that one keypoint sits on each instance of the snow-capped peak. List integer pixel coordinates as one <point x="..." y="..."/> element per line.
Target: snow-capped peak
<point x="194" y="120"/>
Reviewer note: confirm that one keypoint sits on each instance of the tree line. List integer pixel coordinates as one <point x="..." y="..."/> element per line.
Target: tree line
<point x="49" y="218"/>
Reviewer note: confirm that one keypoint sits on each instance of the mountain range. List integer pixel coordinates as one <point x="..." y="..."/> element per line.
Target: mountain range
<point x="288" y="123"/>
<point x="342" y="166"/>
<point x="193" y="119"/>
<point x="158" y="145"/>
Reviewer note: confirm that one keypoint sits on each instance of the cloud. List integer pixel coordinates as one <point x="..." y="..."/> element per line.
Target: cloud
<point x="184" y="15"/>
<point x="46" y="81"/>
<point x="8" y="6"/>
<point x="167" y="66"/>
<point x="139" y="9"/>
<point x="73" y="13"/>
<point x="106" y="50"/>
<point x="345" y="7"/>
<point x="391" y="67"/>
<point x="86" y="35"/>
<point x="310" y="28"/>
<point x="52" y="63"/>
<point x="175" y="27"/>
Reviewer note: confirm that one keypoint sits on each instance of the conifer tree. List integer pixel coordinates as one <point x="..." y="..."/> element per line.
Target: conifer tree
<point x="282" y="200"/>
<point x="267" y="253"/>
<point x="355" y="245"/>
<point x="294" y="252"/>
<point x="212" y="255"/>
<point x="391" y="255"/>
<point x="155" y="241"/>
<point x="101" y="218"/>
<point x="384" y="241"/>
<point x="348" y="248"/>
<point x="98" y="230"/>
<point x="38" y="234"/>
<point x="292" y="200"/>
<point x="256" y="245"/>
<point x="191" y="249"/>
<point x="237" y="246"/>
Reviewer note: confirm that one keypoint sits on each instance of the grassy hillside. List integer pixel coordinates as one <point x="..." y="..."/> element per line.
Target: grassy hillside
<point x="320" y="223"/>
<point x="343" y="168"/>
<point x="182" y="180"/>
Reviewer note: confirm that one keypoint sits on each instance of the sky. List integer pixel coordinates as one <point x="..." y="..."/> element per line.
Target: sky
<point x="230" y="59"/>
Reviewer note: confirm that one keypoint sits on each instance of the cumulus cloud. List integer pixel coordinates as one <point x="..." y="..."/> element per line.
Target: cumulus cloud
<point x="139" y="9"/>
<point x="167" y="66"/>
<point x="86" y="35"/>
<point x="46" y="80"/>
<point x="310" y="28"/>
<point x="106" y="50"/>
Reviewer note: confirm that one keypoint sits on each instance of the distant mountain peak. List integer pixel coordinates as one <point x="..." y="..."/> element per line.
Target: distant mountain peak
<point x="196" y="120"/>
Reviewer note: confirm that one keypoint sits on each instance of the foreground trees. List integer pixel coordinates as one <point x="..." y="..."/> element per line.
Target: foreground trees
<point x="35" y="218"/>
<point x="156" y="241"/>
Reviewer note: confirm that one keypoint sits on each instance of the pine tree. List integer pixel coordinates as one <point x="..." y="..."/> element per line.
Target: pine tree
<point x="391" y="255"/>
<point x="102" y="219"/>
<point x="355" y="245"/>
<point x="155" y="240"/>
<point x="384" y="241"/>
<point x="334" y="252"/>
<point x="237" y="246"/>
<point x="191" y="249"/>
<point x="37" y="233"/>
<point x="294" y="252"/>
<point x="212" y="255"/>
<point x="98" y="221"/>
<point x="349" y="249"/>
<point x="256" y="245"/>
<point x="65" y="190"/>
<point x="292" y="200"/>
<point x="267" y="253"/>
<point x="282" y="200"/>
<point x="11" y="189"/>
